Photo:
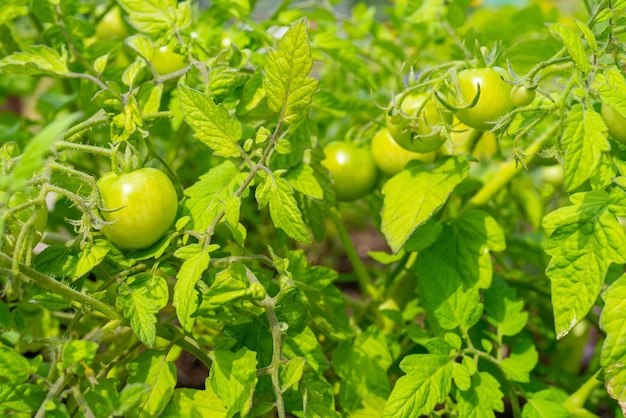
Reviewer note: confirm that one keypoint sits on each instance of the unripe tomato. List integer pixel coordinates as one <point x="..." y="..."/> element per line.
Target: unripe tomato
<point x="485" y="147"/>
<point x="494" y="100"/>
<point x="353" y="170"/>
<point x="15" y="222"/>
<point x="166" y="61"/>
<point x="552" y="174"/>
<point x="390" y="157"/>
<point x="111" y="26"/>
<point x="422" y="133"/>
<point x="522" y="96"/>
<point x="140" y="206"/>
<point x="615" y="122"/>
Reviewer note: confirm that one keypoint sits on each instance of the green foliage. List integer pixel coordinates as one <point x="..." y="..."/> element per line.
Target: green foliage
<point x="468" y="285"/>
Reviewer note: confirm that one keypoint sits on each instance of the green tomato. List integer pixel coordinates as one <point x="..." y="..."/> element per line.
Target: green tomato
<point x="615" y="122"/>
<point x="421" y="133"/>
<point x="140" y="207"/>
<point x="353" y="170"/>
<point x="166" y="61"/>
<point x="390" y="157"/>
<point x="111" y="26"/>
<point x="552" y="174"/>
<point x="494" y="100"/>
<point x="15" y="222"/>
<point x="522" y="96"/>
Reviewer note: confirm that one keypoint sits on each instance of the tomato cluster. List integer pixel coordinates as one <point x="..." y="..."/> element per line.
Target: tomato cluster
<point x="139" y="207"/>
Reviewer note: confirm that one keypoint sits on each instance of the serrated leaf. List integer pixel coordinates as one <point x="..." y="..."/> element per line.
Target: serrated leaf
<point x="465" y="244"/>
<point x="521" y="361"/>
<point x="26" y="398"/>
<point x="588" y="34"/>
<point x="444" y="297"/>
<point x="585" y="238"/>
<point x="228" y="287"/>
<point x="211" y="123"/>
<point x="482" y="398"/>
<point x="611" y="87"/>
<point x="613" y="354"/>
<point x="503" y="309"/>
<point x="573" y="43"/>
<point x="283" y="207"/>
<point x="157" y="17"/>
<point x="302" y="178"/>
<point x="291" y="373"/>
<point x="286" y="83"/>
<point x="36" y="60"/>
<point x="153" y="369"/>
<point x="233" y="378"/>
<point x="195" y="403"/>
<point x="13" y="366"/>
<point x="78" y="351"/>
<point x="139" y="301"/>
<point x="208" y="195"/>
<point x="317" y="397"/>
<point x="90" y="257"/>
<point x="584" y="139"/>
<point x="196" y="261"/>
<point x="142" y="45"/>
<point x="362" y="367"/>
<point x="414" y="195"/>
<point x="427" y="383"/>
<point x="539" y="405"/>
<point x="132" y="71"/>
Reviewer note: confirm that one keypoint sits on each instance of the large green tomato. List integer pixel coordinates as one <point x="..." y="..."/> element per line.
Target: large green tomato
<point x="615" y="122"/>
<point x="421" y="133"/>
<point x="390" y="157"/>
<point x="140" y="207"/>
<point x="111" y="26"/>
<point x="353" y="170"/>
<point x="14" y="223"/>
<point x="494" y="100"/>
<point x="166" y="61"/>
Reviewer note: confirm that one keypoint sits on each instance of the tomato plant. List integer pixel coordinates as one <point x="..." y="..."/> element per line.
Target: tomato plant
<point x="417" y="133"/>
<point x="615" y="122"/>
<point x="494" y="100"/>
<point x="390" y="157"/>
<point x="260" y="267"/>
<point x="352" y="168"/>
<point x="139" y="207"/>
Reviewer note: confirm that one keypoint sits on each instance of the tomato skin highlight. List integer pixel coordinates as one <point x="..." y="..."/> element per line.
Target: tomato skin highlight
<point x="353" y="170"/>
<point x="140" y="207"/>
<point x="166" y="61"/>
<point x="615" y="122"/>
<point x="422" y="133"/>
<point x="390" y="157"/>
<point x="494" y="100"/>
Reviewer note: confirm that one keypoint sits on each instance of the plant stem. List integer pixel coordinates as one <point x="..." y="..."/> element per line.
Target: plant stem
<point x="365" y="281"/>
<point x="577" y="400"/>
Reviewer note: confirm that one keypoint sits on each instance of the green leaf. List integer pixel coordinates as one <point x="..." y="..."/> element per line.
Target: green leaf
<point x="292" y="308"/>
<point x="78" y="351"/>
<point x="291" y="373"/>
<point x="443" y="295"/>
<point x="140" y="300"/>
<point x="195" y="403"/>
<point x="611" y="86"/>
<point x="362" y="367"/>
<point x="20" y="398"/>
<point x="224" y="80"/>
<point x="153" y="369"/>
<point x="36" y="60"/>
<point x="427" y="383"/>
<point x="283" y="207"/>
<point x="414" y="195"/>
<point x="317" y="397"/>
<point x="209" y="195"/>
<point x="142" y="45"/>
<point x="211" y="123"/>
<point x="521" y="361"/>
<point x="465" y="244"/>
<point x="584" y="140"/>
<point x="157" y="17"/>
<point x="482" y="399"/>
<point x="196" y="261"/>
<point x="233" y="377"/>
<point x="585" y="238"/>
<point x="229" y="287"/>
<point x="13" y="9"/>
<point x="131" y="398"/>
<point x="573" y="43"/>
<point x="90" y="257"/>
<point x="307" y="346"/>
<point x="373" y="407"/>
<point x="503" y="309"/>
<point x="539" y="405"/>
<point x="302" y="178"/>
<point x="613" y="354"/>
<point x="13" y="367"/>
<point x="32" y="158"/>
<point x="286" y="84"/>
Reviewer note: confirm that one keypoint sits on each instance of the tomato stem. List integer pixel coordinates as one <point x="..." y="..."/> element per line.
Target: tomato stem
<point x="365" y="281"/>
